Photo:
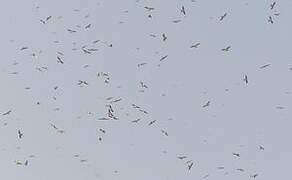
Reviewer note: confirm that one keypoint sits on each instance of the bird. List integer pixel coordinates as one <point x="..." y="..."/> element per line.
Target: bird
<point x="245" y="79"/>
<point x="60" y="60"/>
<point x="163" y="58"/>
<point x="270" y="20"/>
<point x="164" y="132"/>
<point x="190" y="165"/>
<point x="87" y="26"/>
<point x="207" y="104"/>
<point x="164" y="37"/>
<point x="261" y="147"/>
<point x="226" y="49"/>
<point x="236" y="154"/>
<point x="19" y="134"/>
<point x="183" y="10"/>
<point x="151" y="122"/>
<point x="196" y="45"/>
<point x="149" y="8"/>
<point x="222" y="17"/>
<point x="273" y="5"/>
<point x="254" y="175"/>
<point x="6" y="113"/>
<point x="181" y="157"/>
<point x="264" y="66"/>
<point x="136" y="120"/>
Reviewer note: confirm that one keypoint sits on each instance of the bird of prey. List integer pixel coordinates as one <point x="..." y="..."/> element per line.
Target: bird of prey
<point x="273" y="5"/>
<point x="207" y="104"/>
<point x="270" y="20"/>
<point x="183" y="10"/>
<point x="236" y="154"/>
<point x="245" y="79"/>
<point x="19" y="134"/>
<point x="164" y="37"/>
<point x="226" y="49"/>
<point x="196" y="45"/>
<point x="6" y="113"/>
<point x="223" y="16"/>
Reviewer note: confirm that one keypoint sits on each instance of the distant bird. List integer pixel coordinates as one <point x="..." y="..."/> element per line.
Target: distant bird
<point x="151" y="122"/>
<point x="23" y="48"/>
<point x="88" y="26"/>
<point x="182" y="157"/>
<point x="273" y="5"/>
<point x="240" y="169"/>
<point x="164" y="132"/>
<point x="26" y="163"/>
<point x="176" y="21"/>
<point x="236" y="154"/>
<point x="164" y="37"/>
<point x="196" y="45"/>
<point x="71" y="31"/>
<point x="222" y="17"/>
<point x="207" y="104"/>
<point x="6" y="113"/>
<point x="136" y="121"/>
<point x="226" y="49"/>
<point x="60" y="60"/>
<point x="20" y="134"/>
<point x="149" y="8"/>
<point x="245" y="79"/>
<point x="163" y="58"/>
<point x="102" y="130"/>
<point x="190" y="165"/>
<point x="270" y="20"/>
<point x="254" y="175"/>
<point x="183" y="10"/>
<point x="48" y="18"/>
<point x="264" y="66"/>
<point x="261" y="147"/>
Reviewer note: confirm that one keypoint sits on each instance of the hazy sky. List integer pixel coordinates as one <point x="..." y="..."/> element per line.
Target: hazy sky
<point x="116" y="50"/>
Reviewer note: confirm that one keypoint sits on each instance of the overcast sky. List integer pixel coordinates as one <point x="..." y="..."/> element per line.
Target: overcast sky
<point x="134" y="89"/>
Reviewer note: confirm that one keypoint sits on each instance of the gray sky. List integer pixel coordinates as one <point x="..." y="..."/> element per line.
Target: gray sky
<point x="126" y="47"/>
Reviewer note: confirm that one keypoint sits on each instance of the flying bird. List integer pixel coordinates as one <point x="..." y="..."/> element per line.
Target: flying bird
<point x="207" y="104"/>
<point x="226" y="49"/>
<point x="273" y="5"/>
<point x="183" y="10"/>
<point x="223" y="16"/>
<point x="20" y="134"/>
<point x="245" y="79"/>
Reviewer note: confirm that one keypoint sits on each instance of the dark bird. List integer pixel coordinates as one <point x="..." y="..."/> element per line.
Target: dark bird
<point x="6" y="113"/>
<point x="196" y="45"/>
<point x="26" y="163"/>
<point x="261" y="147"/>
<point x="102" y="130"/>
<point x="183" y="10"/>
<point x="149" y="8"/>
<point x="270" y="20"/>
<point x="19" y="134"/>
<point x="273" y="5"/>
<point x="240" y="169"/>
<point x="264" y="66"/>
<point x="226" y="49"/>
<point x="151" y="122"/>
<point x="88" y="26"/>
<point x="71" y="31"/>
<point x="190" y="165"/>
<point x="163" y="58"/>
<point x="223" y="16"/>
<point x="136" y="121"/>
<point x="254" y="175"/>
<point x="60" y="60"/>
<point x="207" y="104"/>
<point x="23" y="48"/>
<point x="164" y="37"/>
<point x="48" y="18"/>
<point x="236" y="154"/>
<point x="245" y="79"/>
<point x="182" y="157"/>
<point x="164" y="132"/>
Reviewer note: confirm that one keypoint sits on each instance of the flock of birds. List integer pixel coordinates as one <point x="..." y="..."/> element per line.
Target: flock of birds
<point x="114" y="106"/>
